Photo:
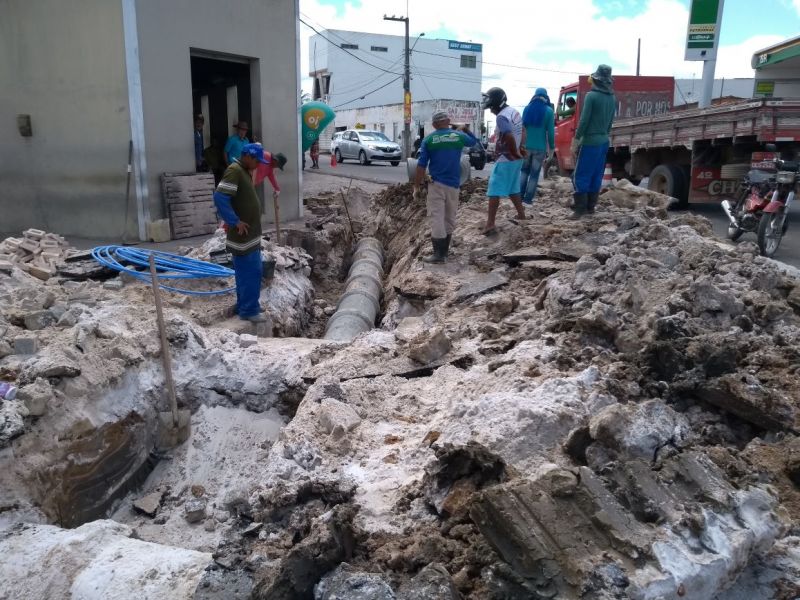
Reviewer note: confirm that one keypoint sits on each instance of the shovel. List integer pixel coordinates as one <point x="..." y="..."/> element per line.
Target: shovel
<point x="173" y="425"/>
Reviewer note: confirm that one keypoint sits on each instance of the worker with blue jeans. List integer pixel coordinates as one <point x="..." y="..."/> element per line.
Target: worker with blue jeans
<point x="590" y="144"/>
<point x="238" y="205"/>
<point x="538" y="136"/>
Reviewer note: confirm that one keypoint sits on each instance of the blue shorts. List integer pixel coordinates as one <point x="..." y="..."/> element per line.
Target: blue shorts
<point x="504" y="180"/>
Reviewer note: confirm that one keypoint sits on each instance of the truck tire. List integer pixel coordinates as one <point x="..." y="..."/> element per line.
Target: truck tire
<point x="670" y="180"/>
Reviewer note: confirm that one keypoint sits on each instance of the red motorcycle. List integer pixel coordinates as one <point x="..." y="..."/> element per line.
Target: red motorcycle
<point x="762" y="205"/>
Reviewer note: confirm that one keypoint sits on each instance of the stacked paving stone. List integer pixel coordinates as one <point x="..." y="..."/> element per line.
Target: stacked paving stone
<point x="36" y="252"/>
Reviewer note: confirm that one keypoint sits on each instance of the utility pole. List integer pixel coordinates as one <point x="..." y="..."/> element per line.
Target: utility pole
<point x="638" y="55"/>
<point x="406" y="91"/>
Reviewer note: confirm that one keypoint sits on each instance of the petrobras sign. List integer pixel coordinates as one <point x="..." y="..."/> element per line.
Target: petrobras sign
<point x="702" y="37"/>
<point x="467" y="46"/>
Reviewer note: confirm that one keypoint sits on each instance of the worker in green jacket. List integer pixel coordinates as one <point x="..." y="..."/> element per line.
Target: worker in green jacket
<point x="590" y="144"/>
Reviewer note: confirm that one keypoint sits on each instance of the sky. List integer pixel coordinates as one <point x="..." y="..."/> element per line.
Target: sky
<point x="548" y="43"/>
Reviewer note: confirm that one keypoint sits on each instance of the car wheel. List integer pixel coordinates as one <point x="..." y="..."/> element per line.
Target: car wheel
<point x="395" y="163"/>
<point x="338" y="156"/>
<point x="479" y="165"/>
<point x="362" y="158"/>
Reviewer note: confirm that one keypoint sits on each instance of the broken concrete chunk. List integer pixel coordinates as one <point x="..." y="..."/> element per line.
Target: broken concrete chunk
<point x="640" y="430"/>
<point x="431" y="582"/>
<point x="5" y="349"/>
<point x="39" y="320"/>
<point x="748" y="399"/>
<point x="334" y="413"/>
<point x="12" y="422"/>
<point x="480" y="285"/>
<point x="429" y="346"/>
<point x="26" y="345"/>
<point x="194" y="510"/>
<point x="149" y="504"/>
<point x="36" y="396"/>
<point x="246" y="340"/>
<point x="68" y="319"/>
<point x="345" y="582"/>
<point x="113" y="284"/>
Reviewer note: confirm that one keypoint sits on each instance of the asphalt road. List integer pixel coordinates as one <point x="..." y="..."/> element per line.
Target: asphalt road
<point x="789" y="251"/>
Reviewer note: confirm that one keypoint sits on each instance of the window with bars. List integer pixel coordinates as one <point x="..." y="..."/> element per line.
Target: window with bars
<point x="379" y="48"/>
<point x="468" y="61"/>
<point x="349" y="46"/>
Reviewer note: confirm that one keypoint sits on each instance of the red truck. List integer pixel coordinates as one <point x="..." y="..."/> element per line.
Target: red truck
<point x="694" y="155"/>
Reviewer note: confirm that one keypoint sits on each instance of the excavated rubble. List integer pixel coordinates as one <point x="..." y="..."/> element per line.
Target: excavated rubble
<point x="603" y="408"/>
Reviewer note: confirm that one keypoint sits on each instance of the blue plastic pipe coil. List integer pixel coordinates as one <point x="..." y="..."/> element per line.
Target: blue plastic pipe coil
<point x="168" y="266"/>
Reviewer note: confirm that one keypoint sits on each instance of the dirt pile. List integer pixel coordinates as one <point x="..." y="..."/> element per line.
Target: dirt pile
<point x="603" y="408"/>
<point x="625" y="370"/>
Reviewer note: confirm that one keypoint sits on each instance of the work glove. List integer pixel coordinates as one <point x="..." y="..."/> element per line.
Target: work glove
<point x="575" y="146"/>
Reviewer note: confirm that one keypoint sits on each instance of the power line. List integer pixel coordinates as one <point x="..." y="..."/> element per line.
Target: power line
<point x="346" y="51"/>
<point x="422" y="79"/>
<point x="368" y="93"/>
<point x="502" y="64"/>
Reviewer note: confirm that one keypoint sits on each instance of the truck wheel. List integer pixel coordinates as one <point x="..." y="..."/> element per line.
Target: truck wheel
<point x="670" y="180"/>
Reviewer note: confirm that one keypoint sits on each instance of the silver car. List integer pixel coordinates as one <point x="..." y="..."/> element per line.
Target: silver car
<point x="365" y="146"/>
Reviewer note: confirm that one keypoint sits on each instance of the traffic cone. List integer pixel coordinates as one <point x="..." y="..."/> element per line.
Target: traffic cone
<point x="607" y="176"/>
<point x="333" y="159"/>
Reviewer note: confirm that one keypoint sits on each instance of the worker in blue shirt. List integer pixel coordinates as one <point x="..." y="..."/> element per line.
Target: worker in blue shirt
<point x="235" y="143"/>
<point x="440" y="153"/>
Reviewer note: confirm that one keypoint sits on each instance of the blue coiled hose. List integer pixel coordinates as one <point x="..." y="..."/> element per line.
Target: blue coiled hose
<point x="168" y="266"/>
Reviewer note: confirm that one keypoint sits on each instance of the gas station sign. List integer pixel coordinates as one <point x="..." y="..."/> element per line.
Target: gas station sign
<point x="702" y="37"/>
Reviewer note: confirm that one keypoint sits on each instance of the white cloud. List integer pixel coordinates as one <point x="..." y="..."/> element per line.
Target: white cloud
<point x="568" y="35"/>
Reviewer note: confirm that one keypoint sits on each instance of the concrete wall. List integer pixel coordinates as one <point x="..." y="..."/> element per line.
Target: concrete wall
<point x="63" y="63"/>
<point x="264" y="31"/>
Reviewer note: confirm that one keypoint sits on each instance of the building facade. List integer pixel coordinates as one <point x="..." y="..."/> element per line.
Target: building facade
<point x="778" y="70"/>
<point x="360" y="75"/>
<point x="83" y="80"/>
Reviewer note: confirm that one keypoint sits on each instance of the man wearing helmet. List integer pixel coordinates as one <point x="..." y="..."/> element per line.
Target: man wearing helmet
<point x="504" y="180"/>
<point x="590" y="144"/>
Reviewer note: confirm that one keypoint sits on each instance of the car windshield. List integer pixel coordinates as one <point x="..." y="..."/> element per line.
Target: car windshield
<point x="374" y="136"/>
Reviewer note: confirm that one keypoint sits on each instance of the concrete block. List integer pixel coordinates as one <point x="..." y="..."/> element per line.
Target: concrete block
<point x="26" y="345"/>
<point x="148" y="505"/>
<point x="6" y="266"/>
<point x="41" y="271"/>
<point x="33" y="234"/>
<point x="13" y="242"/>
<point x="29" y="246"/>
<point x="158" y="231"/>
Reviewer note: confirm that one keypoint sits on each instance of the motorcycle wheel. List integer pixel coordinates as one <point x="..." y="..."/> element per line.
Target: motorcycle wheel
<point x="770" y="233"/>
<point x="734" y="233"/>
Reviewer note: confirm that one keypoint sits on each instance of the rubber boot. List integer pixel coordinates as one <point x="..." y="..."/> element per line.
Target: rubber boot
<point x="592" y="203"/>
<point x="447" y="245"/>
<point x="438" y="255"/>
<point x="579" y="205"/>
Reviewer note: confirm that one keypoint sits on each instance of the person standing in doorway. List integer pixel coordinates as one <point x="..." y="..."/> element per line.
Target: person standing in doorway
<point x="539" y="135"/>
<point x="440" y="152"/>
<point x="238" y="205"/>
<point x="504" y="180"/>
<point x="199" y="146"/>
<point x="590" y="144"/>
<point x="235" y="143"/>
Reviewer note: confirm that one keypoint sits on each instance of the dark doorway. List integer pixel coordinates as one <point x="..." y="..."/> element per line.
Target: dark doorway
<point x="221" y="92"/>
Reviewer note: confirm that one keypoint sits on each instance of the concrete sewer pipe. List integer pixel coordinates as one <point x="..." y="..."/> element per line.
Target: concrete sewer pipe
<point x="359" y="305"/>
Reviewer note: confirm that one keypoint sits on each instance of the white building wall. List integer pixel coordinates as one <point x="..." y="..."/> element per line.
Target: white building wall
<point x="370" y="90"/>
<point x="786" y="78"/>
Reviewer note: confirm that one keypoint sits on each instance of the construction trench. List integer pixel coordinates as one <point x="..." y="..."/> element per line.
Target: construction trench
<point x="595" y="409"/>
